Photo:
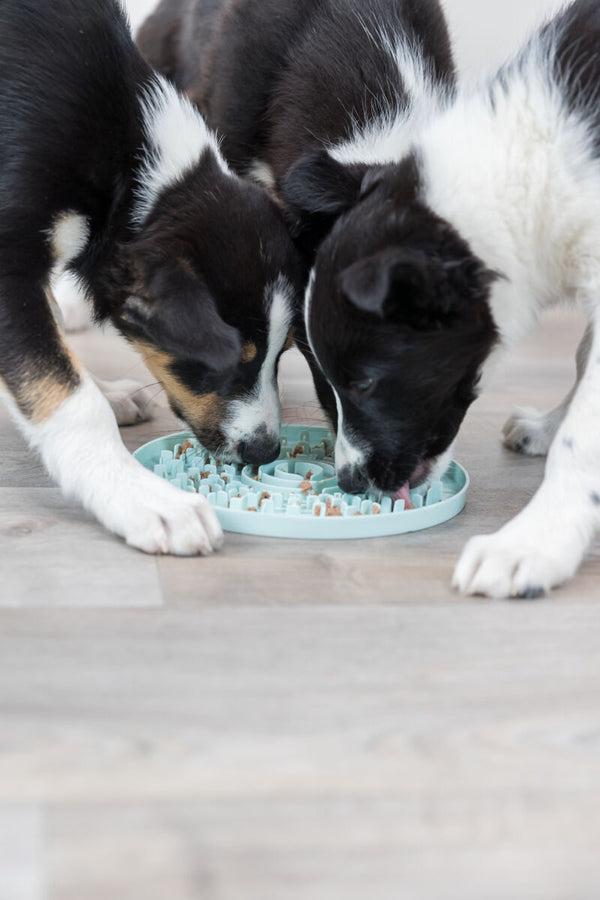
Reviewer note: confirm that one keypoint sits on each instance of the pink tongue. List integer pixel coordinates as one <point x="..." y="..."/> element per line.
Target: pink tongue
<point x="403" y="494"/>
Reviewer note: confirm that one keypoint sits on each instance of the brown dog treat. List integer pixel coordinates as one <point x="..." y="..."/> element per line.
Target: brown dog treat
<point x="264" y="496"/>
<point x="187" y="445"/>
<point x="252" y="509"/>
<point x="376" y="509"/>
<point x="305" y="487"/>
<point x="317" y="510"/>
<point x="334" y="511"/>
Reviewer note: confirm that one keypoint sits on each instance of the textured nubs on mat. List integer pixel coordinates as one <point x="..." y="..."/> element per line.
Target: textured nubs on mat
<point x="300" y="486"/>
<point x="303" y="484"/>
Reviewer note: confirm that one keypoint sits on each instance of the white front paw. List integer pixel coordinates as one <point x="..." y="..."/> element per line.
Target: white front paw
<point x="529" y="431"/>
<point x="156" y="517"/>
<point x="131" y="401"/>
<point x="500" y="565"/>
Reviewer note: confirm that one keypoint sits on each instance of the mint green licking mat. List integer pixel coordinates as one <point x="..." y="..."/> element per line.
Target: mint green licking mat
<point x="298" y="496"/>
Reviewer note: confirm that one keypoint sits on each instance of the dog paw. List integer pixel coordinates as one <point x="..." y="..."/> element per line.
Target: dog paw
<point x="158" y="518"/>
<point x="130" y="401"/>
<point x="529" y="431"/>
<point x="497" y="566"/>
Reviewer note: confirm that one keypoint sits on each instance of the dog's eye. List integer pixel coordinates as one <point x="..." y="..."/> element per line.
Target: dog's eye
<point x="363" y="387"/>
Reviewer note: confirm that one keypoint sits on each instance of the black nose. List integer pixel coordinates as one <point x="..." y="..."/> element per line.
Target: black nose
<point x="352" y="481"/>
<point x="258" y="451"/>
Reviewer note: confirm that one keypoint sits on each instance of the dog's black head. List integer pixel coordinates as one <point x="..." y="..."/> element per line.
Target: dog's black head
<point x="212" y="281"/>
<point x="398" y="318"/>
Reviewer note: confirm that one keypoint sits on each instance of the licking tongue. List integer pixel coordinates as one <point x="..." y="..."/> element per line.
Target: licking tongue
<point x="403" y="494"/>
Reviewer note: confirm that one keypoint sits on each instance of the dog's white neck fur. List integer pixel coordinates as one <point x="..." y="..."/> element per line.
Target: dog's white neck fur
<point x="346" y="452"/>
<point x="388" y="137"/>
<point x="512" y="170"/>
<point x="177" y="137"/>
<point x="261" y="409"/>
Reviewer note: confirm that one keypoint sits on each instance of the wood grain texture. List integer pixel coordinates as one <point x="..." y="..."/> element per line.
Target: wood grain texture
<point x="22" y="873"/>
<point x="412" y="751"/>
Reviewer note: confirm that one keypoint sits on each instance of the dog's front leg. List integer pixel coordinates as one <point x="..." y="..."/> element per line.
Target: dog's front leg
<point x="67" y="419"/>
<point x="543" y="546"/>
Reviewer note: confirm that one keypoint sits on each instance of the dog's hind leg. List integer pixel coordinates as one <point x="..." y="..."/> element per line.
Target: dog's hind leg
<point x="530" y="431"/>
<point x="130" y="400"/>
<point x="66" y="418"/>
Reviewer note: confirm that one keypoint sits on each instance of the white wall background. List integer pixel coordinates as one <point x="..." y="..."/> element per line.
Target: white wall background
<point x="484" y="31"/>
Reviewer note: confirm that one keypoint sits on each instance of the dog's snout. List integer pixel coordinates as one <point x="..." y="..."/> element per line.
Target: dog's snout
<point x="259" y="450"/>
<point x="352" y="480"/>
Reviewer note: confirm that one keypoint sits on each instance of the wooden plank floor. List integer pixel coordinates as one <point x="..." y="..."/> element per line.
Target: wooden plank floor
<point x="294" y="720"/>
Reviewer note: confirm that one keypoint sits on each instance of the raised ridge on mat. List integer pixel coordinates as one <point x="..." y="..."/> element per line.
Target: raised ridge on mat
<point x="298" y="494"/>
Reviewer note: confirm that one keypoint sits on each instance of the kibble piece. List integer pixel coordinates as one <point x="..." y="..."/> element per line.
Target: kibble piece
<point x="187" y="445"/>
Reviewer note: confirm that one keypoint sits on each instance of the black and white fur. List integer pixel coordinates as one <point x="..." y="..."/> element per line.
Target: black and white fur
<point x="492" y="217"/>
<point x="307" y="97"/>
<point x="107" y="172"/>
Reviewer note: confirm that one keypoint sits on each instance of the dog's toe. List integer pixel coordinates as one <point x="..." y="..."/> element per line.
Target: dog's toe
<point x="528" y="431"/>
<point x="498" y="566"/>
<point x="167" y="520"/>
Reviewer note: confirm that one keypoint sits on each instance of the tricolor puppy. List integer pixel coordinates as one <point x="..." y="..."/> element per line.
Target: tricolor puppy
<point x="106" y="170"/>
<point x="307" y="97"/>
<point x="490" y="215"/>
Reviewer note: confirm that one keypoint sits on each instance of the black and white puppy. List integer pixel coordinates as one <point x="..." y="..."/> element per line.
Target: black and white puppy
<point x="488" y="218"/>
<point x="106" y="170"/>
<point x="307" y="97"/>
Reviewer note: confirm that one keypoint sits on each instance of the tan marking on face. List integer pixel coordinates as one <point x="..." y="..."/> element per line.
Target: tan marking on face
<point x="201" y="410"/>
<point x="249" y="352"/>
<point x="289" y="343"/>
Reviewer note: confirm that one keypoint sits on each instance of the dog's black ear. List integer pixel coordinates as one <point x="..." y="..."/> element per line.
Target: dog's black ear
<point x="415" y="287"/>
<point x="389" y="282"/>
<point x="176" y="312"/>
<point x="319" y="185"/>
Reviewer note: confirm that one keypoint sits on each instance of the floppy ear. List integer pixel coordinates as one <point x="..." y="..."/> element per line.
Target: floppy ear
<point x="416" y="287"/>
<point x="389" y="282"/>
<point x="319" y="185"/>
<point x="177" y="313"/>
